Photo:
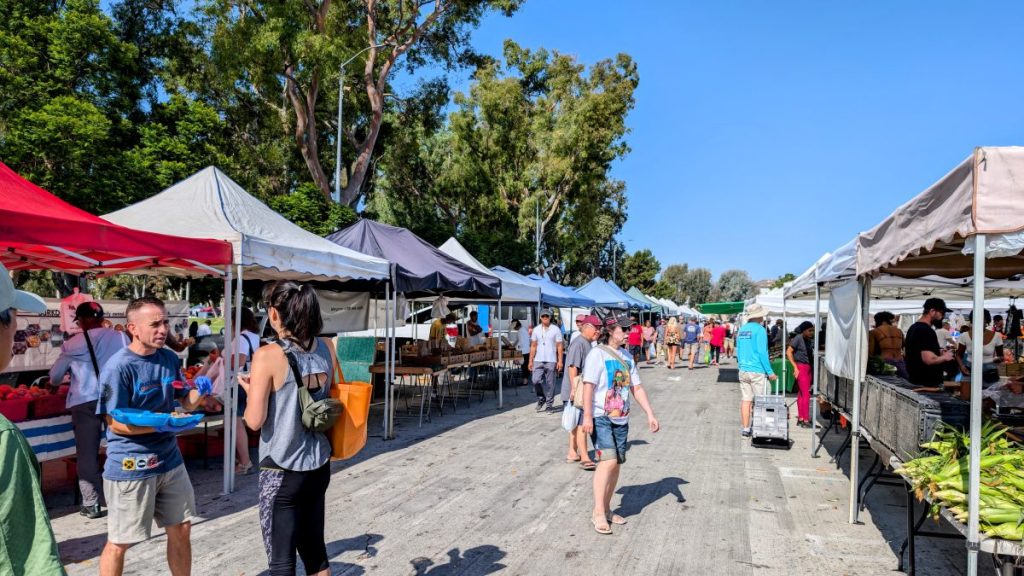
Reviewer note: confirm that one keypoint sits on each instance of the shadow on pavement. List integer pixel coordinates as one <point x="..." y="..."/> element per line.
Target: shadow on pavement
<point x="475" y="561"/>
<point x="728" y="375"/>
<point x="636" y="498"/>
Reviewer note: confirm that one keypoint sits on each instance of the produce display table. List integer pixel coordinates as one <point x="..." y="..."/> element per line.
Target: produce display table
<point x="995" y="546"/>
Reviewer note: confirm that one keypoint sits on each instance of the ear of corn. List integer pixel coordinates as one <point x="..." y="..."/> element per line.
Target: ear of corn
<point x="941" y="473"/>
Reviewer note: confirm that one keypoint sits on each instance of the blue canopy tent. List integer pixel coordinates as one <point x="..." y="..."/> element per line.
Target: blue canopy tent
<point x="608" y="295"/>
<point x="553" y="294"/>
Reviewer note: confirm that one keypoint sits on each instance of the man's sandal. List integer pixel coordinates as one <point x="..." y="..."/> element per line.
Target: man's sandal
<point x="601" y="528"/>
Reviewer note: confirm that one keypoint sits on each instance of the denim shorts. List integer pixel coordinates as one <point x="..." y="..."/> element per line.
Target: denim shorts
<point x="610" y="439"/>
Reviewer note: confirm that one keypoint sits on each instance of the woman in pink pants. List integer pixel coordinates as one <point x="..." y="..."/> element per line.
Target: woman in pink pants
<point x="800" y="353"/>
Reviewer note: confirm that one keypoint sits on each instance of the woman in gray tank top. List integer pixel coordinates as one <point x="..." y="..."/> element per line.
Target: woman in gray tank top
<point x="294" y="461"/>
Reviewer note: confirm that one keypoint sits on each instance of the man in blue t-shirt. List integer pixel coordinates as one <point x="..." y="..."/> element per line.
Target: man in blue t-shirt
<point x="691" y="339"/>
<point x="144" y="478"/>
<point x="752" y="357"/>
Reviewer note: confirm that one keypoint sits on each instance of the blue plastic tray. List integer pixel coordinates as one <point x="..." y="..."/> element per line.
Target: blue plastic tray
<point x="137" y="417"/>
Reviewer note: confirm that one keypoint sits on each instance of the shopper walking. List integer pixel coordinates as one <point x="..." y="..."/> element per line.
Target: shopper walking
<point x="650" y="335"/>
<point x="730" y="339"/>
<point x="294" y="460"/>
<point x="659" y="351"/>
<point x="84" y="356"/>
<point x="705" y="341"/>
<point x="800" y="351"/>
<point x="691" y="341"/>
<point x="717" y="342"/>
<point x="672" y="337"/>
<point x="572" y="384"/>
<point x="611" y="382"/>
<point x="523" y="345"/>
<point x="886" y="341"/>
<point x="545" y="360"/>
<point x="27" y="545"/>
<point x="754" y="366"/>
<point x="991" y="351"/>
<point x="144" y="478"/>
<point x="636" y="340"/>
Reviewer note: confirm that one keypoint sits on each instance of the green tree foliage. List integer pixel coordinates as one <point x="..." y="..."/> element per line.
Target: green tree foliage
<point x="782" y="280"/>
<point x="693" y="286"/>
<point x="286" y="55"/>
<point x="534" y="136"/>
<point x="734" y="286"/>
<point x="640" y="269"/>
<point x="662" y="289"/>
<point x="310" y="210"/>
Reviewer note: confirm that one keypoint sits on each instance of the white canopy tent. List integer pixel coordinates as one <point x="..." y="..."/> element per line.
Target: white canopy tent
<point x="512" y="290"/>
<point x="265" y="246"/>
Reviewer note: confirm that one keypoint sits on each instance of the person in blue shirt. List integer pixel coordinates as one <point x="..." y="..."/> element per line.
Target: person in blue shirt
<point x="752" y="357"/>
<point x="144" y="478"/>
<point x="691" y="340"/>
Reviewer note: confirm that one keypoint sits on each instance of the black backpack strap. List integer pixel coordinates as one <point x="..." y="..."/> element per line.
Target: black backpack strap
<point x="92" y="353"/>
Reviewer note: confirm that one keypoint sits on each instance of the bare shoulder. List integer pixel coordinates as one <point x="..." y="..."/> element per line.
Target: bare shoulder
<point x="269" y="353"/>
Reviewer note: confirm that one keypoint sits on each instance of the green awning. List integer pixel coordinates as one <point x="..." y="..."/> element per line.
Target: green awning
<point x="655" y="307"/>
<point x="722" y="307"/>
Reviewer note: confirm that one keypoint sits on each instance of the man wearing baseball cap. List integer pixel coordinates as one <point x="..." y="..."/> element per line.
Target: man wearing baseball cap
<point x="752" y="357"/>
<point x="572" y="384"/>
<point x="545" y="360"/>
<point x="84" y="355"/>
<point x="27" y="545"/>
<point x="925" y="356"/>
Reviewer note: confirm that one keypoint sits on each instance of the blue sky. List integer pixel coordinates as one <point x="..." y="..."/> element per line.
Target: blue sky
<point x="767" y="133"/>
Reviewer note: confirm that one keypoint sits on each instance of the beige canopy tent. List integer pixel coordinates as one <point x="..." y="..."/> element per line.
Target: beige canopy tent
<point x="970" y="224"/>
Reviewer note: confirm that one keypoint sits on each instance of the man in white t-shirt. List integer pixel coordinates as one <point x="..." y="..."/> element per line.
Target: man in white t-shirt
<point x="205" y="329"/>
<point x="545" y="360"/>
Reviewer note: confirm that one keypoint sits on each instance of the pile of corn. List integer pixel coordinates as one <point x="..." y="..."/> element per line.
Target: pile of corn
<point x="943" y="474"/>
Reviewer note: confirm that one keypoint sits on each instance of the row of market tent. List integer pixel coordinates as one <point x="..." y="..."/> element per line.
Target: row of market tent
<point x="209" y="226"/>
<point x="962" y="238"/>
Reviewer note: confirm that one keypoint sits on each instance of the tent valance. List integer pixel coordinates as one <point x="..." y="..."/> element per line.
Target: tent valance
<point x="40" y="231"/>
<point x="419" y="267"/>
<point x="722" y="307"/>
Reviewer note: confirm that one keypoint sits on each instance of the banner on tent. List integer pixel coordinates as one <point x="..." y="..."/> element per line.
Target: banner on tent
<point x="840" y="336"/>
<point x="344" y="311"/>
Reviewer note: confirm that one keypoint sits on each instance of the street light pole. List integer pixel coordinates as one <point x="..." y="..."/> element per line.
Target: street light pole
<point x="615" y="258"/>
<point x="341" y="132"/>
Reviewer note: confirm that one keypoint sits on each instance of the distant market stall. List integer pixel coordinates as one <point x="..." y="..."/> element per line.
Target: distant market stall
<point x="606" y="294"/>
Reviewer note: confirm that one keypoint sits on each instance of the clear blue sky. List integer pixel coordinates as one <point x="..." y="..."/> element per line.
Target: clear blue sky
<point x="767" y="133"/>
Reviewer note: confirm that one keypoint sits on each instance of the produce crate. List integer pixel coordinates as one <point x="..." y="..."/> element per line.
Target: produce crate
<point x="1011" y="369"/>
<point x="479" y="356"/>
<point x="15" y="409"/>
<point x="458" y="358"/>
<point x="49" y="406"/>
<point x="901" y="419"/>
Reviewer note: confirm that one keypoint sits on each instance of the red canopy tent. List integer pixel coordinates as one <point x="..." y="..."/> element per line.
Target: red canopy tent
<point x="40" y="231"/>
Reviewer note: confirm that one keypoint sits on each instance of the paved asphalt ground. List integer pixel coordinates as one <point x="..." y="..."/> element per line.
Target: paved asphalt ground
<point x="485" y="491"/>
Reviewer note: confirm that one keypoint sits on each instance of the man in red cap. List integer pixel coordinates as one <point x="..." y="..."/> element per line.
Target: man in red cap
<point x="572" y="384"/>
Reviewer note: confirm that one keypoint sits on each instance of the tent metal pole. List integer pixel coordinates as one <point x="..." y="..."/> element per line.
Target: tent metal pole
<point x="501" y="393"/>
<point x="977" y="344"/>
<point x="784" y="334"/>
<point x="858" y="381"/>
<point x="815" y="370"/>
<point x="231" y="428"/>
<point x="226" y="374"/>
<point x="394" y="355"/>
<point x="387" y="362"/>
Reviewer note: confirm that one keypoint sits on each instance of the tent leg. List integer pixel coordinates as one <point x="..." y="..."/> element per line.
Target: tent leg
<point x="977" y="343"/>
<point x="387" y="362"/>
<point x="231" y="428"/>
<point x="815" y="369"/>
<point x="858" y="380"/>
<point x="501" y="393"/>
<point x="229" y="404"/>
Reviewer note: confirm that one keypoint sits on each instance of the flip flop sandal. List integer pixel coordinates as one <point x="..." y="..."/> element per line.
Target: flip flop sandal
<point x="588" y="466"/>
<point x="616" y="519"/>
<point x="601" y="528"/>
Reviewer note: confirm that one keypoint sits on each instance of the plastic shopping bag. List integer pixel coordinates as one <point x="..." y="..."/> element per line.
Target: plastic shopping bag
<point x="570" y="417"/>
<point x="348" y="435"/>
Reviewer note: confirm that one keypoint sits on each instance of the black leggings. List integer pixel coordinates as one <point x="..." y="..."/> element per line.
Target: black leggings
<point x="292" y="518"/>
<point x="715" y="352"/>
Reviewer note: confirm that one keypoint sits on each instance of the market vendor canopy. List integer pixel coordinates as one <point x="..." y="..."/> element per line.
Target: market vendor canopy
<point x="928" y="235"/>
<point x="208" y="204"/>
<point x="40" y="231"/>
<point x="652" y="305"/>
<point x="420" y="269"/>
<point x="607" y="295"/>
<point x="722" y="308"/>
<point x="554" y="294"/>
<point x="514" y="288"/>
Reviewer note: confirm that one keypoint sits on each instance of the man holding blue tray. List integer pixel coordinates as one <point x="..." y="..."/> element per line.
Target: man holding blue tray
<point x="144" y="478"/>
